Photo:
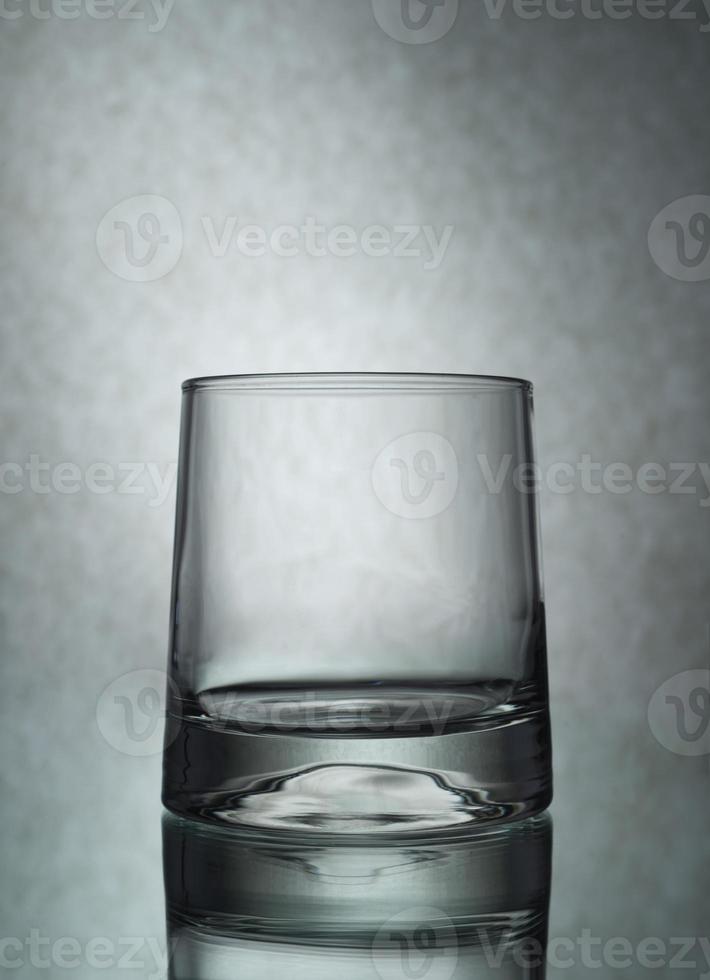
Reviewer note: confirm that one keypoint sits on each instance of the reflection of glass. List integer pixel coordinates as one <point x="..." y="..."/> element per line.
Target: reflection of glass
<point x="277" y="906"/>
<point x="358" y="636"/>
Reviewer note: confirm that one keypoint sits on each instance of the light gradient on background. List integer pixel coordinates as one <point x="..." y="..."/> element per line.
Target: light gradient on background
<point x="549" y="146"/>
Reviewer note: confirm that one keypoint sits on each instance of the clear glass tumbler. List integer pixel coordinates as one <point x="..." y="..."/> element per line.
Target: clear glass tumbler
<point x="358" y="636"/>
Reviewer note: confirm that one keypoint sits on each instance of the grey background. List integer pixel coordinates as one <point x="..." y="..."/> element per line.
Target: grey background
<point x="549" y="145"/>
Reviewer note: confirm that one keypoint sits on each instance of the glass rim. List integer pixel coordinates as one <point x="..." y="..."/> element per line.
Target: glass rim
<point x="357" y="381"/>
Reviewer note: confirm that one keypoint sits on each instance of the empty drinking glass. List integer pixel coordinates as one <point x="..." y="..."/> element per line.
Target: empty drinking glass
<point x="358" y="637"/>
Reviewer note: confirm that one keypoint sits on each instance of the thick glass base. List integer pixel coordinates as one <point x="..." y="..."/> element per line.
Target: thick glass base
<point x="404" y="779"/>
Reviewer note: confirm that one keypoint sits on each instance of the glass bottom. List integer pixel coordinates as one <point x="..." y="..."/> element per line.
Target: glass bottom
<point x="359" y="763"/>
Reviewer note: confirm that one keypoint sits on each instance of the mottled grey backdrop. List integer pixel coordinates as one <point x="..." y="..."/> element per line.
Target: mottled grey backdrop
<point x="549" y="145"/>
